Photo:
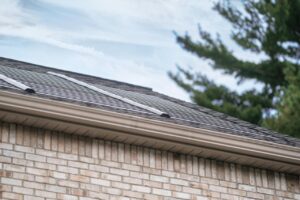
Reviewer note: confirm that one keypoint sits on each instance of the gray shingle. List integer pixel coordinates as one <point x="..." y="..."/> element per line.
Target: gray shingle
<point x="181" y="112"/>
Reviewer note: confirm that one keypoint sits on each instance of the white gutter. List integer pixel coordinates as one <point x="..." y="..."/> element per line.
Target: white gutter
<point x="16" y="83"/>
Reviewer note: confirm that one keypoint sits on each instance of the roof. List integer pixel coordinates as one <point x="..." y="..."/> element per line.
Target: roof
<point x="52" y="87"/>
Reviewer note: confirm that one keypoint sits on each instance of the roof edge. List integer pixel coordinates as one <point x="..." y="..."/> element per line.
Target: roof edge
<point x="28" y="104"/>
<point x="48" y="68"/>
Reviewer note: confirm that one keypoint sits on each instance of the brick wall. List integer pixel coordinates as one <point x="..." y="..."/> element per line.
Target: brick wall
<point x="40" y="164"/>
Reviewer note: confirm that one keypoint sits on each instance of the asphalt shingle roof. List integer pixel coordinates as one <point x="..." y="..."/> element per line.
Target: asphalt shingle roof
<point x="184" y="113"/>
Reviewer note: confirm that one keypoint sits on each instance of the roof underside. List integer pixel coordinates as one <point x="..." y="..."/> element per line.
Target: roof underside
<point x="53" y="87"/>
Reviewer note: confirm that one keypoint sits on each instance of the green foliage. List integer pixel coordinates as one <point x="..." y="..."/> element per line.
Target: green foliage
<point x="268" y="27"/>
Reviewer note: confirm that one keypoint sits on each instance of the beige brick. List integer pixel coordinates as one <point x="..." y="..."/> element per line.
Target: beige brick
<point x="58" y="175"/>
<point x="23" y="176"/>
<point x="228" y="184"/>
<point x="80" y="165"/>
<point x="127" y="193"/>
<point x="95" y="149"/>
<point x="55" y="188"/>
<point x="110" y="177"/>
<point x="23" y="190"/>
<point x="70" y="170"/>
<point x="13" y="154"/>
<point x="152" y="158"/>
<point x="35" y="157"/>
<point x="98" y="195"/>
<point x="152" y="184"/>
<point x="11" y="181"/>
<point x="191" y="190"/>
<point x="113" y="191"/>
<point x="76" y="192"/>
<point x="179" y="182"/>
<point x="89" y="173"/>
<point x="33" y="185"/>
<point x="44" y="179"/>
<point x="168" y="174"/>
<point x="100" y="182"/>
<point x="161" y="192"/>
<point x="265" y="191"/>
<point x="133" y="155"/>
<point x="114" y="151"/>
<point x="47" y="153"/>
<point x="164" y="160"/>
<point x="264" y="178"/>
<point x="201" y="167"/>
<point x="90" y="187"/>
<point x="27" y="197"/>
<point x="171" y="187"/>
<point x="131" y="167"/>
<point x="218" y="188"/>
<point x="137" y="188"/>
<point x="255" y="195"/>
<point x="195" y="165"/>
<point x="110" y="164"/>
<point x="152" y="197"/>
<point x="67" y="156"/>
<point x="181" y="195"/>
<point x="4" y="159"/>
<point x="119" y="172"/>
<point x="170" y="162"/>
<point x="158" y="161"/>
<point x="229" y="197"/>
<point x="247" y="188"/>
<point x="121" y="152"/>
<point x="101" y="149"/>
<point x="99" y="168"/>
<point x="132" y="180"/>
<point x="85" y="159"/>
<point x="66" y="197"/>
<point x="23" y="162"/>
<point x="67" y="183"/>
<point x="43" y="193"/>
<point x="24" y="149"/>
<point x="36" y="171"/>
<point x="45" y="166"/>
<point x="13" y="133"/>
<point x="283" y="181"/>
<point x="9" y="195"/>
<point x="139" y="175"/>
<point x="56" y="161"/>
<point x="14" y="168"/>
<point x="121" y="185"/>
<point x="159" y="178"/>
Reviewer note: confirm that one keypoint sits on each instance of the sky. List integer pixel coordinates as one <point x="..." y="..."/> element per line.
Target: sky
<point x="126" y="40"/>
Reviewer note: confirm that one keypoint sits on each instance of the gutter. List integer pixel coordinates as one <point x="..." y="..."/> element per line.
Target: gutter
<point x="195" y="138"/>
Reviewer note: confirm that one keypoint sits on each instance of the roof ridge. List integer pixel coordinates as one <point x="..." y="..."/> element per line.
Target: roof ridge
<point x="47" y="68"/>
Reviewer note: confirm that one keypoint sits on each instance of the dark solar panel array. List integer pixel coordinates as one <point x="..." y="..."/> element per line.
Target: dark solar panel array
<point x="57" y="87"/>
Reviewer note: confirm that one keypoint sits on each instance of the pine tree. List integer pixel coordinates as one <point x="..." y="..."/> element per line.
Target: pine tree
<point x="268" y="27"/>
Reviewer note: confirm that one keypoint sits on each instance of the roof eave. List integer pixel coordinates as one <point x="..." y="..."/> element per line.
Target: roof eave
<point x="216" y="144"/>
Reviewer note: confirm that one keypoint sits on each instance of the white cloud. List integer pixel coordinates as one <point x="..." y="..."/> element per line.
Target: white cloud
<point x="131" y="22"/>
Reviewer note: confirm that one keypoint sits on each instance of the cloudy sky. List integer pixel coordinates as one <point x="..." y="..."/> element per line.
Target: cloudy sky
<point x="125" y="40"/>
